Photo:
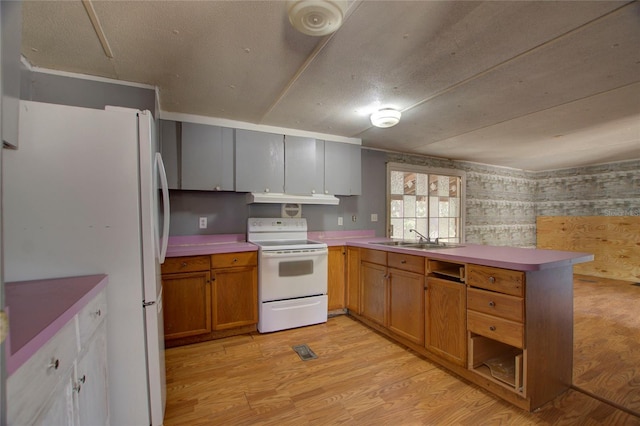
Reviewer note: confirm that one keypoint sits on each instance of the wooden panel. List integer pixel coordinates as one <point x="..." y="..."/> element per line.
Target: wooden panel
<point x="509" y="332"/>
<point x="406" y="262"/>
<point x="614" y="240"/>
<point x="185" y="264"/>
<point x="496" y="279"/>
<point x="336" y="277"/>
<point x="406" y="304"/>
<point x="187" y="304"/>
<point x="492" y="303"/>
<point x="235" y="297"/>
<point x="353" y="279"/>
<point x="373" y="284"/>
<point x="373" y="256"/>
<point x="228" y="260"/>
<point x="446" y="319"/>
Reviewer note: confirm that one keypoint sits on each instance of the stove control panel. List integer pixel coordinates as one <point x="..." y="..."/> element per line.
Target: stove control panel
<point x="277" y="225"/>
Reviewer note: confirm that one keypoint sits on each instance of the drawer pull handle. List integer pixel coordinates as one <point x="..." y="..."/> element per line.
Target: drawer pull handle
<point x="184" y="264"/>
<point x="235" y="260"/>
<point x="403" y="261"/>
<point x="492" y="328"/>
<point x="492" y="280"/>
<point x="55" y="363"/>
<point x="492" y="303"/>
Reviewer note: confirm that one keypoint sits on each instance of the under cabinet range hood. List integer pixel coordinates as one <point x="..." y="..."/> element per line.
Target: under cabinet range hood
<point x="281" y="198"/>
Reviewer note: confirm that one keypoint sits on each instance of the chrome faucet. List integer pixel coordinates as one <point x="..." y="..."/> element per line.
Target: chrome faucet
<point x="422" y="237"/>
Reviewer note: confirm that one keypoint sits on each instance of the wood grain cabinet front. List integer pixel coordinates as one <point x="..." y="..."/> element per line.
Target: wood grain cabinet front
<point x="336" y="278"/>
<point x="186" y="283"/>
<point x="406" y="304"/>
<point x="235" y="290"/>
<point x="353" y="280"/>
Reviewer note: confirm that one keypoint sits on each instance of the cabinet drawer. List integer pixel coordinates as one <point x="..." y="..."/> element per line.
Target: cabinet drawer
<point x="373" y="256"/>
<point x="406" y="262"/>
<point x="496" y="304"/>
<point x="185" y="264"/>
<point x="502" y="330"/>
<point x="30" y="386"/>
<point x="496" y="279"/>
<point x="228" y="260"/>
<point x="91" y="316"/>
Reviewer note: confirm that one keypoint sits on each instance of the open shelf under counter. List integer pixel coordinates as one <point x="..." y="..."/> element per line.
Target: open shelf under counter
<point x="499" y="362"/>
<point x="448" y="270"/>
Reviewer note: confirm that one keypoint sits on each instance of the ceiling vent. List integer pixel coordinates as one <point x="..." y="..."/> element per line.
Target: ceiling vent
<point x="316" y="17"/>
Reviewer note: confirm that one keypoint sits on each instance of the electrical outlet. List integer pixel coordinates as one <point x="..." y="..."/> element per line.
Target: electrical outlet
<point x="353" y="218"/>
<point x="340" y="221"/>
<point x="203" y="223"/>
<point x="374" y="217"/>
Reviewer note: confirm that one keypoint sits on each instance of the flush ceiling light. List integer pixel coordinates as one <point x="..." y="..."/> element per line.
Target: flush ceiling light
<point x="316" y="17"/>
<point x="386" y="117"/>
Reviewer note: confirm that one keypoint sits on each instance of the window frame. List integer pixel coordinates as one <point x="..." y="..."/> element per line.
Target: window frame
<point x="414" y="168"/>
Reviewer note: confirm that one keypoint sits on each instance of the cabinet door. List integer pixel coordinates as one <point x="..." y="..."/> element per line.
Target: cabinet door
<point x="235" y="297"/>
<point x="59" y="409"/>
<point x="304" y="165"/>
<point x="187" y="304"/>
<point x="446" y="319"/>
<point x="342" y="164"/>
<point x="207" y="157"/>
<point x="406" y="304"/>
<point x="259" y="161"/>
<point x="170" y="148"/>
<point x="335" y="290"/>
<point x="90" y="386"/>
<point x="11" y="46"/>
<point x="353" y="279"/>
<point x="373" y="282"/>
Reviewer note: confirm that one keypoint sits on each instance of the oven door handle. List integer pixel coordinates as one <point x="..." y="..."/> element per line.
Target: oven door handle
<point x="290" y="254"/>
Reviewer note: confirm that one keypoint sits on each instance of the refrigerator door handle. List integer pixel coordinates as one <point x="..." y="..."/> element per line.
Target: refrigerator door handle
<point x="162" y="247"/>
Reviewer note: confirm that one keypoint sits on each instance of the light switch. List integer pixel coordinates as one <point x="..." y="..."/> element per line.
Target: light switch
<point x="374" y="217"/>
<point x="340" y="221"/>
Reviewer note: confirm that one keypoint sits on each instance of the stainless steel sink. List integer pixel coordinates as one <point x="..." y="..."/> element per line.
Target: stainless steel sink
<point x="419" y="246"/>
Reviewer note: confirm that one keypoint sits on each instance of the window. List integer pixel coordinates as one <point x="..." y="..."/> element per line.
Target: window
<point x="425" y="199"/>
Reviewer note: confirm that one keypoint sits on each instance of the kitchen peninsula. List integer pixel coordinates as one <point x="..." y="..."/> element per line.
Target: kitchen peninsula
<point x="500" y="317"/>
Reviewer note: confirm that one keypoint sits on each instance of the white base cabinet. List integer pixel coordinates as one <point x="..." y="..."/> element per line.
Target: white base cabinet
<point x="65" y="382"/>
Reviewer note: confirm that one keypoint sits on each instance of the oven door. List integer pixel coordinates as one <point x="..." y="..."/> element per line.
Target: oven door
<point x="286" y="274"/>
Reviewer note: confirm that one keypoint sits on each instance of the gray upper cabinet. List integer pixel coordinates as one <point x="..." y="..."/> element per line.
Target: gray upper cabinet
<point x="259" y="161"/>
<point x="207" y="157"/>
<point x="304" y="165"/>
<point x="342" y="168"/>
<point x="169" y="148"/>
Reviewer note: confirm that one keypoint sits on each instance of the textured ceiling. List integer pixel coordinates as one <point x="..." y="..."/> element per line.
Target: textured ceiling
<point x="525" y="84"/>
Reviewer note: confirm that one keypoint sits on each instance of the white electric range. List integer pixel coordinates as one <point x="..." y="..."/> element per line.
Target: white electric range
<point x="292" y="277"/>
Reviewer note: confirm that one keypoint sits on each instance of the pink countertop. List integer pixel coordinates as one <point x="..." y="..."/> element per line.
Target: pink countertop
<point x="194" y="245"/>
<point x="521" y="259"/>
<point x="39" y="309"/>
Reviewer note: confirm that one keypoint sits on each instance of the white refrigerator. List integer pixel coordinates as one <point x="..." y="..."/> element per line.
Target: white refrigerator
<point x="83" y="195"/>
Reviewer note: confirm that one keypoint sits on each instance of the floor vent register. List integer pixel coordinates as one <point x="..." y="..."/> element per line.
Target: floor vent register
<point x="304" y="352"/>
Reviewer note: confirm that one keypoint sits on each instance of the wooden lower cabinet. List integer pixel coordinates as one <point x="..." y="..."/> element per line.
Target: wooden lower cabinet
<point x="353" y="280"/>
<point x="406" y="305"/>
<point x="235" y="295"/>
<point x="209" y="297"/>
<point x="373" y="284"/>
<point x="187" y="300"/>
<point x="336" y="278"/>
<point x="446" y="319"/>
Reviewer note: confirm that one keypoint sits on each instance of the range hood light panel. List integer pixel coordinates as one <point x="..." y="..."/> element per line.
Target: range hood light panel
<point x="280" y="198"/>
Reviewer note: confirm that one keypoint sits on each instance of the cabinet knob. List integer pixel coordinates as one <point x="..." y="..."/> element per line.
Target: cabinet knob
<point x="218" y="188"/>
<point x="184" y="264"/>
<point x="266" y="190"/>
<point x="97" y="313"/>
<point x="235" y="260"/>
<point x="492" y="328"/>
<point x="78" y="386"/>
<point x="54" y="363"/>
<point x="492" y="280"/>
<point x="492" y="303"/>
<point x="313" y="191"/>
<point x="326" y="192"/>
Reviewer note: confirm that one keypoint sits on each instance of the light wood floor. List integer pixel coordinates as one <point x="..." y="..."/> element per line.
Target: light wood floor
<point x="359" y="378"/>
<point x="606" y="340"/>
